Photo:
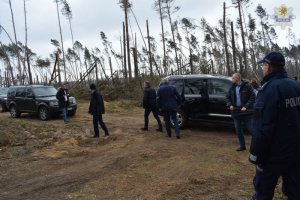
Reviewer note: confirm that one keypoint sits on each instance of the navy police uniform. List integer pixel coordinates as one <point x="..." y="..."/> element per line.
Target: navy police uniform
<point x="275" y="146"/>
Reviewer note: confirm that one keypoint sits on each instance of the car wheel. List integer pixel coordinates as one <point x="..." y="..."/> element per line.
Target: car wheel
<point x="44" y="113"/>
<point x="14" y="112"/>
<point x="181" y="119"/>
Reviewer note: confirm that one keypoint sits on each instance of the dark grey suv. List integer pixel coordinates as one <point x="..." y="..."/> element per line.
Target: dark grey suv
<point x="203" y="98"/>
<point x="36" y="99"/>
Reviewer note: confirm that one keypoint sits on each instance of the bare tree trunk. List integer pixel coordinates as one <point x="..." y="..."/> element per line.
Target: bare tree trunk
<point x="96" y="71"/>
<point x="110" y="67"/>
<point x="149" y="50"/>
<point x="173" y="37"/>
<point x="127" y="39"/>
<point x="243" y="39"/>
<point x="16" y="40"/>
<point x="163" y="36"/>
<point x="61" y="40"/>
<point x="26" y="48"/>
<point x="136" y="69"/>
<point x="225" y="41"/>
<point x="233" y="48"/>
<point x="124" y="53"/>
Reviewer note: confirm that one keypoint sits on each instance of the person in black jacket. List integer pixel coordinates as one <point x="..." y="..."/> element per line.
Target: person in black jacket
<point x="63" y="101"/>
<point x="149" y="104"/>
<point x="240" y="100"/>
<point x="275" y="145"/>
<point x="97" y="109"/>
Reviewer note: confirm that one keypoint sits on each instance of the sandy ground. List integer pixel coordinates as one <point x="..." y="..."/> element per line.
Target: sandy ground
<point x="130" y="164"/>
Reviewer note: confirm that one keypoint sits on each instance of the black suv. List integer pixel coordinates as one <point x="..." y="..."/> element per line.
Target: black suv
<point x="36" y="99"/>
<point x="203" y="98"/>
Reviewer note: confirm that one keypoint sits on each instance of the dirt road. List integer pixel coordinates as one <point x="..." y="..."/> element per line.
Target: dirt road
<point x="57" y="161"/>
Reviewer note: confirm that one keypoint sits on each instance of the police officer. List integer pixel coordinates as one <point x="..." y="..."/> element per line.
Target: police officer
<point x="275" y="145"/>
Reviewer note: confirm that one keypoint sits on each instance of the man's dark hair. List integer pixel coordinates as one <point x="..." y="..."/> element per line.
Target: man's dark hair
<point x="93" y="86"/>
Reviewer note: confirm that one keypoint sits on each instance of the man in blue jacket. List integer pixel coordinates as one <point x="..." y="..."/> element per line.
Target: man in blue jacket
<point x="168" y="99"/>
<point x="275" y="146"/>
<point x="240" y="100"/>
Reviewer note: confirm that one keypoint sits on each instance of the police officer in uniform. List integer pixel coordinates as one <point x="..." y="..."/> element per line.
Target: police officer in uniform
<point x="275" y="145"/>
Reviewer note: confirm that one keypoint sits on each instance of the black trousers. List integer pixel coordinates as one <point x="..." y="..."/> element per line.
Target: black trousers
<point x="266" y="178"/>
<point x="98" y="119"/>
<point x="147" y="112"/>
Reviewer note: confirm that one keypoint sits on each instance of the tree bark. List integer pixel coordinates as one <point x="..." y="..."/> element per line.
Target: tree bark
<point x="149" y="50"/>
<point x="62" y="43"/>
<point x="225" y="41"/>
<point x="26" y="48"/>
<point x="16" y="41"/>
<point x="124" y="53"/>
<point x="233" y="48"/>
<point x="127" y="39"/>
<point x="173" y="37"/>
<point x="243" y="40"/>
<point x="163" y="36"/>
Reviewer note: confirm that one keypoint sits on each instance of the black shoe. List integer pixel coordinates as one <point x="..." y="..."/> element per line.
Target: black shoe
<point x="159" y="130"/>
<point x="168" y="136"/>
<point x="144" y="129"/>
<point x="241" y="149"/>
<point x="178" y="137"/>
<point x="95" y="136"/>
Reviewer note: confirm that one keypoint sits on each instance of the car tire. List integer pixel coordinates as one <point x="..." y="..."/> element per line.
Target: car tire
<point x="44" y="113"/>
<point x="14" y="112"/>
<point x="181" y="119"/>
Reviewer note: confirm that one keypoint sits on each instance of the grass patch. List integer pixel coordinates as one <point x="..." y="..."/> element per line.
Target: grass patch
<point x="15" y="132"/>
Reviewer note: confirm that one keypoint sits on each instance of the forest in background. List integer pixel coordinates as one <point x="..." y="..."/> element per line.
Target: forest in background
<point x="225" y="48"/>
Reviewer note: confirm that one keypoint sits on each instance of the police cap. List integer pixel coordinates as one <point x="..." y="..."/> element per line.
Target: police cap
<point x="273" y="58"/>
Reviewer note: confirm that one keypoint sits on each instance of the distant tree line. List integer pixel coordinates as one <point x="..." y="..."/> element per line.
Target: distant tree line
<point x="186" y="46"/>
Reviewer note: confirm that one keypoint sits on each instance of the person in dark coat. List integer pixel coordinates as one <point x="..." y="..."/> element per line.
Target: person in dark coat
<point x="97" y="109"/>
<point x="275" y="145"/>
<point x="168" y="100"/>
<point x="240" y="100"/>
<point x="63" y="101"/>
<point x="149" y="104"/>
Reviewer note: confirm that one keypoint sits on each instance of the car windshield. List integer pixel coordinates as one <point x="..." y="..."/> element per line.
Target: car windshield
<point x="44" y="91"/>
<point x="3" y="90"/>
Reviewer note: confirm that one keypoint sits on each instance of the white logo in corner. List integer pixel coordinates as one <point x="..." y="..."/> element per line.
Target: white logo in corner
<point x="283" y="16"/>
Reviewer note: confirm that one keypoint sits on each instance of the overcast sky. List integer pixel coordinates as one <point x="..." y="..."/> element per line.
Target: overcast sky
<point x="92" y="16"/>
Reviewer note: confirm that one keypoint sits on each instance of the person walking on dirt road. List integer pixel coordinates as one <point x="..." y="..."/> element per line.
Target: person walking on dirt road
<point x="97" y="109"/>
<point x="149" y="104"/>
<point x="275" y="145"/>
<point x="168" y="100"/>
